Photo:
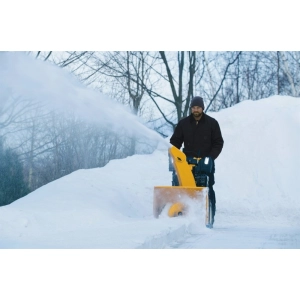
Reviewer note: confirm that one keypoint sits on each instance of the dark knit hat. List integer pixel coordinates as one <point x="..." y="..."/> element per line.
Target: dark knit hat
<point x="197" y="101"/>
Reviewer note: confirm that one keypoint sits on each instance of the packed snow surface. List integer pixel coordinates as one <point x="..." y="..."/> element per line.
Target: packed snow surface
<point x="257" y="178"/>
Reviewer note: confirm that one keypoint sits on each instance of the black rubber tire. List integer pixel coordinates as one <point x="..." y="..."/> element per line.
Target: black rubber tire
<point x="210" y="216"/>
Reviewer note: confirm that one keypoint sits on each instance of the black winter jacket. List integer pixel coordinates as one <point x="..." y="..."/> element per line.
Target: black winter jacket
<point x="205" y="136"/>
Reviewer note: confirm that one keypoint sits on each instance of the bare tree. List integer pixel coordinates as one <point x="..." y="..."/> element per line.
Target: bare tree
<point x="287" y="71"/>
<point x="45" y="56"/>
<point x="13" y="111"/>
<point x="178" y="72"/>
<point x="228" y="64"/>
<point x="126" y="72"/>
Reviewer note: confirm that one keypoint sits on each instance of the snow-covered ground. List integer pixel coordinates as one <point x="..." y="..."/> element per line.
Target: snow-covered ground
<point x="257" y="185"/>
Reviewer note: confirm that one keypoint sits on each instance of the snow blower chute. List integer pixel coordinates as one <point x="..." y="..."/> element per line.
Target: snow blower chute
<point x="190" y="182"/>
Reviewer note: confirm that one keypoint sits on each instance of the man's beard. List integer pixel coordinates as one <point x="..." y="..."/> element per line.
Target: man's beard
<point x="196" y="114"/>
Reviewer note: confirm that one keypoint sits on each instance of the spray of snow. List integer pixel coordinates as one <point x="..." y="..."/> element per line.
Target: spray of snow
<point x="56" y="89"/>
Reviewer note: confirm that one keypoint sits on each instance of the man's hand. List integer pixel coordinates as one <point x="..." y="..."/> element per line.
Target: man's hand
<point x="205" y="165"/>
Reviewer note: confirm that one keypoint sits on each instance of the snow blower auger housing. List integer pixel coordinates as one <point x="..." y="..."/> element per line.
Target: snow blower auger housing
<point x="190" y="184"/>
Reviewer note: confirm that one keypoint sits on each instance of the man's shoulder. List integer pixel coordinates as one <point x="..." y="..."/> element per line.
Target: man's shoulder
<point x="184" y="120"/>
<point x="210" y="119"/>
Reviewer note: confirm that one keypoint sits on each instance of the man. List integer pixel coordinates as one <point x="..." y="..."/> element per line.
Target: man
<point x="202" y="137"/>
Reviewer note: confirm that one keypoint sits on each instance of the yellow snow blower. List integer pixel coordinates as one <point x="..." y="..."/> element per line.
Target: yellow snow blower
<point x="190" y="184"/>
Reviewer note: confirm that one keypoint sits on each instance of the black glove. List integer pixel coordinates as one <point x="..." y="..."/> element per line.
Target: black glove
<point x="205" y="165"/>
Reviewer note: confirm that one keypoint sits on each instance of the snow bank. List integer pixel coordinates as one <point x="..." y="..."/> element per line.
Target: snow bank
<point x="257" y="172"/>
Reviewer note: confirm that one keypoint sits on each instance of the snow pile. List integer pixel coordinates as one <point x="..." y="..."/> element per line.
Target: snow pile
<point x="111" y="207"/>
<point x="257" y="172"/>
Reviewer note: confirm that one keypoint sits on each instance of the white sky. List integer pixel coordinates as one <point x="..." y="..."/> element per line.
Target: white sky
<point x="204" y="25"/>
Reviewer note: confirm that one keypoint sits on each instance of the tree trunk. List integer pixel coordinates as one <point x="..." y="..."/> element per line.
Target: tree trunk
<point x="287" y="72"/>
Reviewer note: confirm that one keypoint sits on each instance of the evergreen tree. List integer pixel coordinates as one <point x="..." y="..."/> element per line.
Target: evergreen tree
<point x="12" y="185"/>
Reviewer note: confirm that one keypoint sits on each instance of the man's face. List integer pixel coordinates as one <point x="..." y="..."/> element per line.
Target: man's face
<point x="197" y="111"/>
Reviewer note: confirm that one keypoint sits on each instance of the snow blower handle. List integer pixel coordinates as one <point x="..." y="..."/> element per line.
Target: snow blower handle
<point x="171" y="166"/>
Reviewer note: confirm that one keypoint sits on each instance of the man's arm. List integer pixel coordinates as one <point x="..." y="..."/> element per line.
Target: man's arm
<point x="177" y="137"/>
<point x="216" y="141"/>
